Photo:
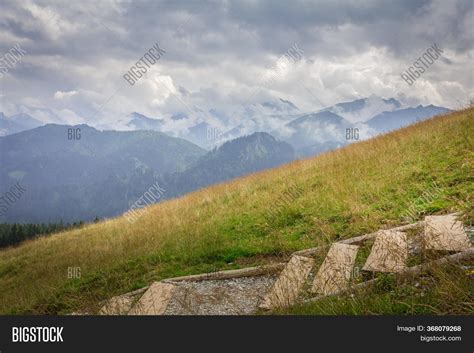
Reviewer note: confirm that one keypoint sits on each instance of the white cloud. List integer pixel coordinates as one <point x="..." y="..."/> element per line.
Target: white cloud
<point x="61" y="95"/>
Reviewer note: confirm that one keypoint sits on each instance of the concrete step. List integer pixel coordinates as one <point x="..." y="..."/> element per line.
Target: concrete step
<point x="335" y="272"/>
<point x="121" y="304"/>
<point x="389" y="252"/>
<point x="445" y="233"/>
<point x="155" y="300"/>
<point x="286" y="289"/>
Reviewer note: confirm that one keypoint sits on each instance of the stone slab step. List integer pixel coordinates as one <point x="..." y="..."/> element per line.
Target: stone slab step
<point x="335" y="272"/>
<point x="445" y="233"/>
<point x="119" y="305"/>
<point x="389" y="252"/>
<point x="155" y="300"/>
<point x="290" y="282"/>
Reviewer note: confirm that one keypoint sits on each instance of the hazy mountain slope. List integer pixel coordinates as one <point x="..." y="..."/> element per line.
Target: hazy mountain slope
<point x="349" y="192"/>
<point x="199" y="134"/>
<point x="17" y="123"/>
<point x="141" y="122"/>
<point x="103" y="173"/>
<point x="363" y="109"/>
<point x="235" y="158"/>
<point x="315" y="129"/>
<point x="318" y="148"/>
<point x="99" y="174"/>
<point x="359" y="104"/>
<point x="388" y="121"/>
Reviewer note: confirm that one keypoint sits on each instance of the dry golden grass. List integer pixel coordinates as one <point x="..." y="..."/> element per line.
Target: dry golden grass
<point x="346" y="192"/>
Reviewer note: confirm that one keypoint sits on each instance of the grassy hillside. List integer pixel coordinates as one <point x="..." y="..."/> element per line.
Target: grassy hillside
<point x="344" y="193"/>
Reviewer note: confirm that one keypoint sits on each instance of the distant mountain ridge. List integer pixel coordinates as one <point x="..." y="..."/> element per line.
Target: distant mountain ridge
<point x="316" y="129"/>
<point x="308" y="133"/>
<point x="330" y="128"/>
<point x="102" y="173"/>
<point x="359" y="104"/>
<point x="142" y="122"/>
<point x="99" y="174"/>
<point x="388" y="121"/>
<point x="276" y="116"/>
<point x="233" y="159"/>
<point x="17" y="123"/>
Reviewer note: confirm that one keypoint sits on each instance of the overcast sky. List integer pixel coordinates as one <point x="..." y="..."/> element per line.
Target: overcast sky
<point x="219" y="55"/>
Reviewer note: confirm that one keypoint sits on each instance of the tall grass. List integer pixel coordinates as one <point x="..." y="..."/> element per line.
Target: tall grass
<point x="345" y="193"/>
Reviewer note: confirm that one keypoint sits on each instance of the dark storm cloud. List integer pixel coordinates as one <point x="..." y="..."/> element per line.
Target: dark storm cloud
<point x="239" y="28"/>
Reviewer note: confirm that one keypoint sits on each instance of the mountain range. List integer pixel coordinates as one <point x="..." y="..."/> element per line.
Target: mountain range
<point x="235" y="158"/>
<point x="102" y="173"/>
<point x="17" y="123"/>
<point x="388" y="121"/>
<point x="278" y="117"/>
<point x="96" y="173"/>
<point x="308" y="133"/>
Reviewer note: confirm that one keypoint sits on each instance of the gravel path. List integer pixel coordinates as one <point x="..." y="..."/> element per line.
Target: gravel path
<point x="237" y="296"/>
